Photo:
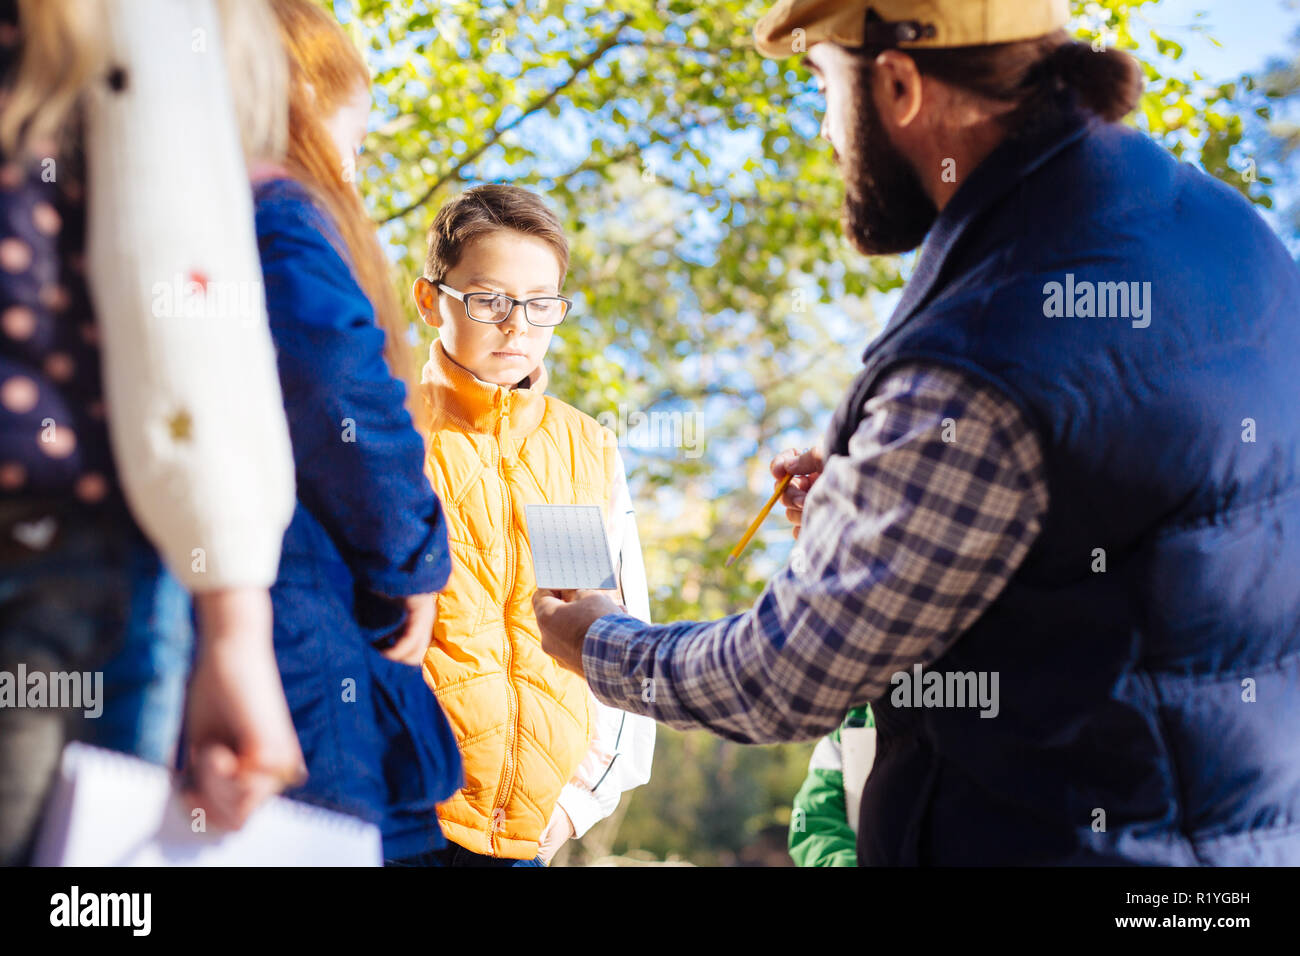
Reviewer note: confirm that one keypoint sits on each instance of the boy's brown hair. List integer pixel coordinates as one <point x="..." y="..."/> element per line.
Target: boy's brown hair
<point x="487" y="209"/>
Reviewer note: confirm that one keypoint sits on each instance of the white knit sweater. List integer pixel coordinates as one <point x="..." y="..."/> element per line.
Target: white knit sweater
<point x="192" y="392"/>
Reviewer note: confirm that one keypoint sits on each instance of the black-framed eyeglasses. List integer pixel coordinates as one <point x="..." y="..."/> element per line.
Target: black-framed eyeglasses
<point x="494" y="308"/>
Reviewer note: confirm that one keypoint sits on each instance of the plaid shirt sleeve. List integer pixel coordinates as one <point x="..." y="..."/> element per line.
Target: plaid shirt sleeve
<point x="906" y="540"/>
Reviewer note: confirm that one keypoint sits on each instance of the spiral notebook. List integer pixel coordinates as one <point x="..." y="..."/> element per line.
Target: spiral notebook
<point x="569" y="547"/>
<point x="108" y="809"/>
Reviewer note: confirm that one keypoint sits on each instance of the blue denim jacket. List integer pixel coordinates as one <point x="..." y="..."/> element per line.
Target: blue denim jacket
<point x="367" y="531"/>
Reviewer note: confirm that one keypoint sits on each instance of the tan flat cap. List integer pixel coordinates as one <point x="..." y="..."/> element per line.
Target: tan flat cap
<point x="793" y="26"/>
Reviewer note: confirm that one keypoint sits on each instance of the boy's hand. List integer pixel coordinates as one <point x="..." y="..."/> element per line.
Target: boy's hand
<point x="409" y="648"/>
<point x="557" y="833"/>
<point x="242" y="744"/>
<point x="806" y="467"/>
<point x="564" y="616"/>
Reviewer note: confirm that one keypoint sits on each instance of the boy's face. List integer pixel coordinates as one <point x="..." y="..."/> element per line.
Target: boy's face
<point x="504" y="261"/>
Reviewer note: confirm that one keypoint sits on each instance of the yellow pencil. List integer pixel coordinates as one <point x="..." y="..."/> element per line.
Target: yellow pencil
<point x="735" y="552"/>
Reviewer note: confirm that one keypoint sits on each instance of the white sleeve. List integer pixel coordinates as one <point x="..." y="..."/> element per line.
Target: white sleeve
<point x="625" y="545"/>
<point x="193" y="395"/>
<point x="622" y="747"/>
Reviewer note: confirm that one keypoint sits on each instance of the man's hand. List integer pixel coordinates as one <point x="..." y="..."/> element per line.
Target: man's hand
<point x="242" y="745"/>
<point x="564" y="616"/>
<point x="806" y="468"/>
<point x="556" y="834"/>
<point x="409" y="648"/>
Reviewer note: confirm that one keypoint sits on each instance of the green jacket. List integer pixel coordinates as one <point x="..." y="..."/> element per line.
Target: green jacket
<point x="820" y="832"/>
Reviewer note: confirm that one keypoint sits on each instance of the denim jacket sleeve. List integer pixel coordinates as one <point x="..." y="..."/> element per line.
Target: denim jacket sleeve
<point x="358" y="457"/>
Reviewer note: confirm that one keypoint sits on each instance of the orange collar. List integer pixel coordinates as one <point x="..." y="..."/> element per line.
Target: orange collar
<point x="456" y="393"/>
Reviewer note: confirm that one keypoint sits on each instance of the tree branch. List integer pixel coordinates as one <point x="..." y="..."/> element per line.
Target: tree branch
<point x="611" y="40"/>
<point x="687" y="124"/>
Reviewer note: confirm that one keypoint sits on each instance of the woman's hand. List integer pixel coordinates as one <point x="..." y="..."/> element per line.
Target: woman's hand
<point x="409" y="648"/>
<point x="242" y="744"/>
<point x="806" y="467"/>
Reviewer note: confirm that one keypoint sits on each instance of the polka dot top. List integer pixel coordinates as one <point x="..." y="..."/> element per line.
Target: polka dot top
<point x="53" y="437"/>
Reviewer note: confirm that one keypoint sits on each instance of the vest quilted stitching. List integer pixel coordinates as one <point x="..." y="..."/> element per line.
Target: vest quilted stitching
<point x="523" y="723"/>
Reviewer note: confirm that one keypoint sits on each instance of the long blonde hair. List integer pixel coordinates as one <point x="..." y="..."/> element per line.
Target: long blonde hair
<point x="326" y="71"/>
<point x="62" y="52"/>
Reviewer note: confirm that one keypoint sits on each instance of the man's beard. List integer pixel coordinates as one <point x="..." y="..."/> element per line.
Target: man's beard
<point x="886" y="209"/>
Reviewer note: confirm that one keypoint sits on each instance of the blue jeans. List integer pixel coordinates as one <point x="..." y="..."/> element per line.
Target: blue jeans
<point x="71" y="600"/>
<point x="454" y="855"/>
<point x="144" y="681"/>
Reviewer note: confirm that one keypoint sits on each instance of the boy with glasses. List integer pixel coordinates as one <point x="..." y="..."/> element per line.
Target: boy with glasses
<point x="543" y="759"/>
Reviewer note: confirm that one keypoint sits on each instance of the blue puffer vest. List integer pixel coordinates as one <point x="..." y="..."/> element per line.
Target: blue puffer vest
<point x="1149" y="712"/>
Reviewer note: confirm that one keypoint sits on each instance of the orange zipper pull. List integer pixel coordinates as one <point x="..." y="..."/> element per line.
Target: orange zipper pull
<point x="503" y="431"/>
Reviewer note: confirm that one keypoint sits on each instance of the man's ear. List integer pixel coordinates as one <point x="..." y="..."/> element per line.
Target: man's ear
<point x="426" y="301"/>
<point x="897" y="89"/>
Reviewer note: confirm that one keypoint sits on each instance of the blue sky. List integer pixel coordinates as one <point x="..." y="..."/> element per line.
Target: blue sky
<point x="1251" y="31"/>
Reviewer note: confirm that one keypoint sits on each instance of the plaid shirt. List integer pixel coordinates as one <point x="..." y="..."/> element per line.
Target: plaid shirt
<point x="906" y="541"/>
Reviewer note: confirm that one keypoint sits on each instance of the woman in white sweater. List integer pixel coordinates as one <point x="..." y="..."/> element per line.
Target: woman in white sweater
<point x="136" y="96"/>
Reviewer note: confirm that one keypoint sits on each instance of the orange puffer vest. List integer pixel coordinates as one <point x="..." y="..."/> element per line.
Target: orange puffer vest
<point x="523" y="723"/>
